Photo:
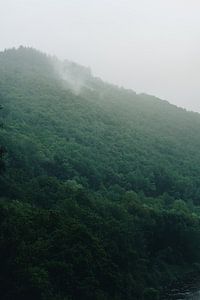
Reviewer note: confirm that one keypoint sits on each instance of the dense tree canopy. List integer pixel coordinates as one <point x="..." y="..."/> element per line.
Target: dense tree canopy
<point x="100" y="198"/>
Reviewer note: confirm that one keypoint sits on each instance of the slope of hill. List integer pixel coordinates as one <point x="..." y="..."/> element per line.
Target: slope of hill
<point x="101" y="191"/>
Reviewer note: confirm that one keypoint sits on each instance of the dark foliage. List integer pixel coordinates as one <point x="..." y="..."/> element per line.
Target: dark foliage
<point x="100" y="198"/>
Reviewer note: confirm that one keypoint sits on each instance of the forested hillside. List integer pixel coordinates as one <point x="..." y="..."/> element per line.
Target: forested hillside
<point x="99" y="186"/>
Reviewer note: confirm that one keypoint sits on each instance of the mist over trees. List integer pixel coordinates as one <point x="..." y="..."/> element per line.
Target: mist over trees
<point x="100" y="198"/>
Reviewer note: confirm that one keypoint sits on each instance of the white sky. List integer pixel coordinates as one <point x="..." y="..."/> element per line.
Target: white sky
<point x="151" y="46"/>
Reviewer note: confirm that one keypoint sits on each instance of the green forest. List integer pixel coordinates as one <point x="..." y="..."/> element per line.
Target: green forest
<point x="99" y="186"/>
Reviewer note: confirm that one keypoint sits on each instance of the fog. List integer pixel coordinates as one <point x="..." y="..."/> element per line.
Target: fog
<point x="149" y="46"/>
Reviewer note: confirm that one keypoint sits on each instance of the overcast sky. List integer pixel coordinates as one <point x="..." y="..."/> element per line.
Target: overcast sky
<point x="151" y="46"/>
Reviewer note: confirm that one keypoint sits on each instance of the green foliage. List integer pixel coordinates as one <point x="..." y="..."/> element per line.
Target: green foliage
<point x="100" y="199"/>
<point x="151" y="294"/>
<point x="2" y="153"/>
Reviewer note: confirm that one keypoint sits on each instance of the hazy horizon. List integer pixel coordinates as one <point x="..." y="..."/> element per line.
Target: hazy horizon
<point x="148" y="46"/>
